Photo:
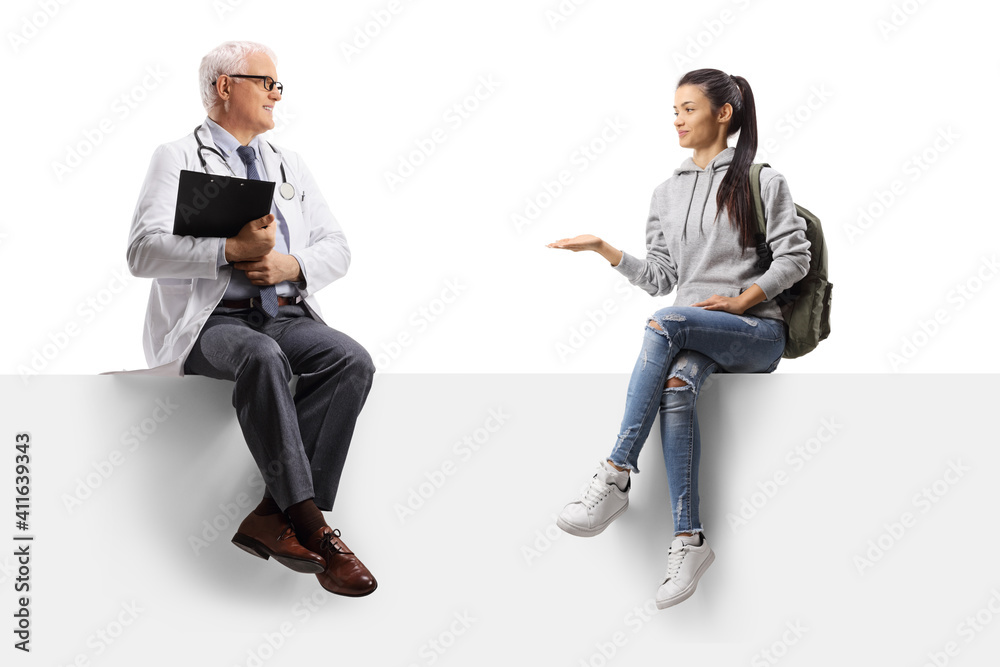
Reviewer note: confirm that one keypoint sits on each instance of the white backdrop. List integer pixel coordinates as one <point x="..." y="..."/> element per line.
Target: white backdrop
<point x="846" y="531"/>
<point x="875" y="113"/>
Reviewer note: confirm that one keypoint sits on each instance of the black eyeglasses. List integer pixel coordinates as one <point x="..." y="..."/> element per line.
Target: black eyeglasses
<point x="269" y="83"/>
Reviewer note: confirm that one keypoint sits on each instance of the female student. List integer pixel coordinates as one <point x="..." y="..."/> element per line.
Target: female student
<point x="699" y="240"/>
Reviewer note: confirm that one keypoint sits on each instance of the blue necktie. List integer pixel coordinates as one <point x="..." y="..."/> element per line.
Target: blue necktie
<point x="268" y="295"/>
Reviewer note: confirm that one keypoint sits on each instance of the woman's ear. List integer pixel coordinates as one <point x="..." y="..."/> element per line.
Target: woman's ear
<point x="726" y="113"/>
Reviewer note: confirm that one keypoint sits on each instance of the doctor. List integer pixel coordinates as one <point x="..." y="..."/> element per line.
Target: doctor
<point x="243" y="309"/>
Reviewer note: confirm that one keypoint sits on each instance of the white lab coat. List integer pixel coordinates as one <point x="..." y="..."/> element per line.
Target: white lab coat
<point x="187" y="283"/>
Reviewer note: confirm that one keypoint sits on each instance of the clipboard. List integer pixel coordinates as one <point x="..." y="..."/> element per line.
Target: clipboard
<point x="219" y="206"/>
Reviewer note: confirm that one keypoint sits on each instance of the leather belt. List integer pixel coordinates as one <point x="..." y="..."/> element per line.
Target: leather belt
<point x="255" y="301"/>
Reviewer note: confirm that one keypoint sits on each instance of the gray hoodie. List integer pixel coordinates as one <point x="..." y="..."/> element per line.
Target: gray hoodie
<point x="688" y="249"/>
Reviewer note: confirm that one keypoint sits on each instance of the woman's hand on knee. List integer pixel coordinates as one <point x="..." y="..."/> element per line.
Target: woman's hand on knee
<point x="729" y="304"/>
<point x="736" y="305"/>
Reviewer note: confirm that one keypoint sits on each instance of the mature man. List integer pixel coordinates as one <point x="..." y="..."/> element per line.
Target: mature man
<point x="243" y="309"/>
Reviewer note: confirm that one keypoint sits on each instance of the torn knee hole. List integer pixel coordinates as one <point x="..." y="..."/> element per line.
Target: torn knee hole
<point x="675" y="382"/>
<point x="655" y="325"/>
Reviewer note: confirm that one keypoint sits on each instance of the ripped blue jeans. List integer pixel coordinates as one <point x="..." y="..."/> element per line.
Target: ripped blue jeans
<point x="691" y="344"/>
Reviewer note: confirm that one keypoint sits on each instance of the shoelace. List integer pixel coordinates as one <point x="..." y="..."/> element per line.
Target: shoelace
<point x="326" y="542"/>
<point x="595" y="493"/>
<point x="675" y="557"/>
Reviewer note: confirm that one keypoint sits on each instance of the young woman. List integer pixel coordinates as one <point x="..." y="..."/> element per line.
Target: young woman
<point x="699" y="240"/>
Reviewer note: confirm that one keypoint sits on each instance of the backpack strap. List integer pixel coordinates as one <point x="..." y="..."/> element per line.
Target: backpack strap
<point x="758" y="207"/>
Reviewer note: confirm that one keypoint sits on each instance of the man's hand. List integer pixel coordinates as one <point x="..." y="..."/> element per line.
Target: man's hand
<point x="271" y="269"/>
<point x="254" y="241"/>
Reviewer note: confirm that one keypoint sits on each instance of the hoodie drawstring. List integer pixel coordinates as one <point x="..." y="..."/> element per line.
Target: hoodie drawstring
<point x="704" y="204"/>
<point x="686" y="213"/>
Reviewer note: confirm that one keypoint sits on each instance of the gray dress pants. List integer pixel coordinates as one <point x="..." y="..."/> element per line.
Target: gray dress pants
<point x="299" y="441"/>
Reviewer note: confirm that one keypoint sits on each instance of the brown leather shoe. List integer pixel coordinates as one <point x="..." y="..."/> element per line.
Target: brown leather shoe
<point x="345" y="574"/>
<point x="272" y="535"/>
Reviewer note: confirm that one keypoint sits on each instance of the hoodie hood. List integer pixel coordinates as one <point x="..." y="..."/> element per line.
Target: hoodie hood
<point x="719" y="163"/>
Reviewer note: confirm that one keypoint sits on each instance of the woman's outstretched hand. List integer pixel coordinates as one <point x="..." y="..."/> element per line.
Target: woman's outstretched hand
<point x="578" y="243"/>
<point x="590" y="242"/>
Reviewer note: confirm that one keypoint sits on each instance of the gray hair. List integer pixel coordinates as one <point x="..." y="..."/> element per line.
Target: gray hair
<point x="226" y="58"/>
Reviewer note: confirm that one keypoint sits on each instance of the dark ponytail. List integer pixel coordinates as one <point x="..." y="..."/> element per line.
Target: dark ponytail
<point x="734" y="191"/>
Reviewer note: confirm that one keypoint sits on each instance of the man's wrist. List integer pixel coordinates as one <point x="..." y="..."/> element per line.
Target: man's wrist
<point x="294" y="270"/>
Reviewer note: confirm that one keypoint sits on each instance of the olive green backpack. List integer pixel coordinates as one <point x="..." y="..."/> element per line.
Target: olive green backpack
<point x="805" y="306"/>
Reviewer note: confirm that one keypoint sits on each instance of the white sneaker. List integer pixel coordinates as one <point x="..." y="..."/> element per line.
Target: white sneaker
<point x="685" y="565"/>
<point x="603" y="501"/>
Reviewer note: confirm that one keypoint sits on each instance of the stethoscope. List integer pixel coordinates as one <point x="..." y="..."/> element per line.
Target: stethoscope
<point x="285" y="189"/>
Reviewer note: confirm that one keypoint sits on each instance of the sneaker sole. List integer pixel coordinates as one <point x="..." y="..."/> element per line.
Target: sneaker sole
<point x="589" y="532"/>
<point x="670" y="602"/>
